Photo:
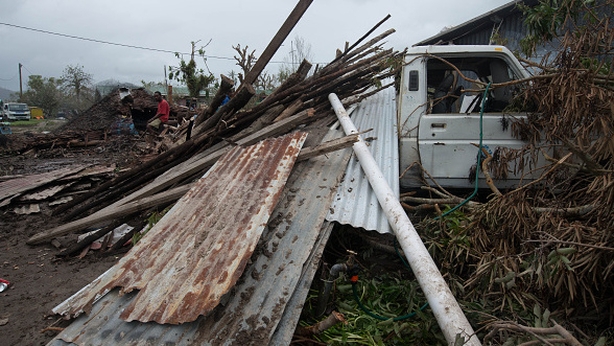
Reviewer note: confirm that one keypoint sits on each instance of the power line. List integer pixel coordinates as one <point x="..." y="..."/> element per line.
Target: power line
<point x="118" y="44"/>
<point x="88" y="39"/>
<point x="106" y="42"/>
<point x="8" y="79"/>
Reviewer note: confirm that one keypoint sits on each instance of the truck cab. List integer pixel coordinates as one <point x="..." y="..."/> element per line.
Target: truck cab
<point x="443" y="111"/>
<point x="15" y="111"/>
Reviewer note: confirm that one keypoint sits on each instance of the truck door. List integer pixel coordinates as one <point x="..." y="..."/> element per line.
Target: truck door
<point x="449" y="131"/>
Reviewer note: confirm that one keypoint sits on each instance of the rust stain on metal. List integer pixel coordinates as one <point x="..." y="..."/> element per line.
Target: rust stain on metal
<point x="198" y="251"/>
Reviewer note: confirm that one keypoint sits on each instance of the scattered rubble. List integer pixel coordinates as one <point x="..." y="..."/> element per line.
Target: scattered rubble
<point x="120" y="195"/>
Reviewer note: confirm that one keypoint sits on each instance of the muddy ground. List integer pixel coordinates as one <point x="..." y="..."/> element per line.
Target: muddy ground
<point x="39" y="279"/>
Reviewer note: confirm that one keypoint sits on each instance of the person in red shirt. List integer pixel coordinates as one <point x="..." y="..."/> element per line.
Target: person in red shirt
<point x="161" y="117"/>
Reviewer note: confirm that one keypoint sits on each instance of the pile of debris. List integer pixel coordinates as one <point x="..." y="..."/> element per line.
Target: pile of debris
<point x="137" y="105"/>
<point x="298" y="102"/>
<point x="121" y="112"/>
<point x="26" y="193"/>
<point x="231" y="238"/>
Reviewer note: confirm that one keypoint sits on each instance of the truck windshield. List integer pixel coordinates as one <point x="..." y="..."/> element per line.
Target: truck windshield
<point x="18" y="107"/>
<point x="448" y="90"/>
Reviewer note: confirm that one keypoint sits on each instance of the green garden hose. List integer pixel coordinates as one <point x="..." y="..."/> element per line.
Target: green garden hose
<point x="477" y="171"/>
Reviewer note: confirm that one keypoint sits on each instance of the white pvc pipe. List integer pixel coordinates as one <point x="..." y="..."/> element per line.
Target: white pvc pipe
<point x="448" y="313"/>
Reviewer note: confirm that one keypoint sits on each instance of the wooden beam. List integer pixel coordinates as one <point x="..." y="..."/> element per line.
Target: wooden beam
<point x="276" y="42"/>
<point x="138" y="201"/>
<point x="327" y="147"/>
<point x="107" y="215"/>
<point x="224" y="90"/>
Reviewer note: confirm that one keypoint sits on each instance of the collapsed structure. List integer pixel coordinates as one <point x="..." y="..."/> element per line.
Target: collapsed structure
<point x="260" y="268"/>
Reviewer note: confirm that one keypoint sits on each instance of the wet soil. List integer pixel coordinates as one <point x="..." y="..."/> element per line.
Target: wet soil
<point x="40" y="280"/>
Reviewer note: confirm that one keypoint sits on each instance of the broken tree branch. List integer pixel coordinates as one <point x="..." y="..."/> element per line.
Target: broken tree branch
<point x="333" y="319"/>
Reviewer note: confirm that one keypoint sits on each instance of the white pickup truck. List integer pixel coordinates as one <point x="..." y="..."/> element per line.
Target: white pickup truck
<point x="15" y="111"/>
<point x="440" y="117"/>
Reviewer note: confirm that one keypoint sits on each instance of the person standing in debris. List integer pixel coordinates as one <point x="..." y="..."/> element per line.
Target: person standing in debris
<point x="161" y="117"/>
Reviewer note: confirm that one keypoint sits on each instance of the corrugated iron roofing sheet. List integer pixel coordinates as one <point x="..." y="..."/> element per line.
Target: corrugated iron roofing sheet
<point x="356" y="203"/>
<point x="197" y="252"/>
<point x="275" y="281"/>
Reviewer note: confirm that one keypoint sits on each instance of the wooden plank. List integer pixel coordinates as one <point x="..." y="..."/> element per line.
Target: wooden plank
<point x="121" y="210"/>
<point x="106" y="215"/>
<point x="226" y="86"/>
<point x="207" y="158"/>
<point x="15" y="187"/>
<point x="327" y="147"/>
<point x="138" y="200"/>
<point x="277" y="40"/>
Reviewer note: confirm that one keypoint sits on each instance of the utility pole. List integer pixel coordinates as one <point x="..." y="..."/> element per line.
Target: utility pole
<point x="165" y="79"/>
<point x="20" y="83"/>
<point x="292" y="53"/>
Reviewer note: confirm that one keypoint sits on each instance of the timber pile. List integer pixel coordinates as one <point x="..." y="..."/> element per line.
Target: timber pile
<point x="301" y="100"/>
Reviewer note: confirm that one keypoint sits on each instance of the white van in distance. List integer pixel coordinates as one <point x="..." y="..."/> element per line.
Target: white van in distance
<point x="16" y="111"/>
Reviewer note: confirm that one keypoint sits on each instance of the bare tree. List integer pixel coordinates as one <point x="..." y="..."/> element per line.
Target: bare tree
<point x="78" y="84"/>
<point x="299" y="51"/>
<point x="245" y="60"/>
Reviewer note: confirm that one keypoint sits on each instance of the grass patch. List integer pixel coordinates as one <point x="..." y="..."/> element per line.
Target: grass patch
<point x="27" y="123"/>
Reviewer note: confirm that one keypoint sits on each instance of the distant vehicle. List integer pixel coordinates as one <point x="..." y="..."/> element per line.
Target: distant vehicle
<point x="15" y="111"/>
<point x="36" y="112"/>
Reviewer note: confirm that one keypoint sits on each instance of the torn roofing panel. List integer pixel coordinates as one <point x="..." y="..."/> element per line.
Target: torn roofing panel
<point x="270" y="294"/>
<point x="356" y="203"/>
<point x="199" y="249"/>
<point x="269" y="282"/>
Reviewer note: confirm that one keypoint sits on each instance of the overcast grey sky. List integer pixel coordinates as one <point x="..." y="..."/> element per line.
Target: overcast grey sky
<point x="172" y="25"/>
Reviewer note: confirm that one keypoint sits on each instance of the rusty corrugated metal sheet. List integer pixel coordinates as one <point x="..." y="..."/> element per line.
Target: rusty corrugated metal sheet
<point x="197" y="252"/>
<point x="276" y="280"/>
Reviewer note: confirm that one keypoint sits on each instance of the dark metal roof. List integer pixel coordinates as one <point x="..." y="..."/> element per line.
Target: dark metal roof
<point x="482" y="22"/>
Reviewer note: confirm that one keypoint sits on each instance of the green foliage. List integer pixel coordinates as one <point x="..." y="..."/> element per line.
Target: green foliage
<point x="44" y="93"/>
<point x="283" y="73"/>
<point x="387" y="295"/>
<point x="189" y="74"/>
<point x="449" y="240"/>
<point x="26" y="123"/>
<point x="152" y="220"/>
<point x="149" y="85"/>
<point x="546" y="20"/>
<point x="73" y="90"/>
